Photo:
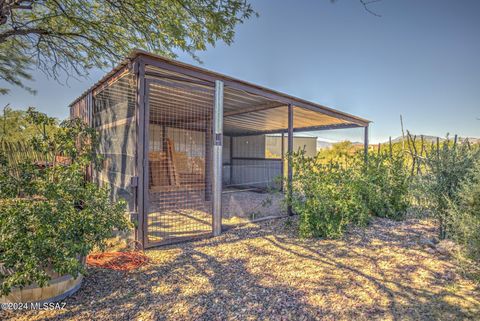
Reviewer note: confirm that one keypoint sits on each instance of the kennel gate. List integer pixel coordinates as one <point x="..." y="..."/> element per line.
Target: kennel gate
<point x="178" y="167"/>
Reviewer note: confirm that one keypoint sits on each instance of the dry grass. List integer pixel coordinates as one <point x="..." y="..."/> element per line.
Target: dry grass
<point x="389" y="271"/>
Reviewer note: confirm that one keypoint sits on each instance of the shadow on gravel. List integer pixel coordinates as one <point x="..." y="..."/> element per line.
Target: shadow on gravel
<point x="264" y="272"/>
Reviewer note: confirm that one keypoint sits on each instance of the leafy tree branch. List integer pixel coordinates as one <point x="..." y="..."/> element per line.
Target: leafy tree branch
<point x="70" y="37"/>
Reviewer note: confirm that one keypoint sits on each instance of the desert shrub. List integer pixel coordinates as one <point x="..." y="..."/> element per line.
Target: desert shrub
<point x="386" y="184"/>
<point x="328" y="196"/>
<point x="38" y="235"/>
<point x="50" y="215"/>
<point x="446" y="167"/>
<point x="464" y="215"/>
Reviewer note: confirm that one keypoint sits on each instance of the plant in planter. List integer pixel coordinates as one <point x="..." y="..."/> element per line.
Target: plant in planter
<point x="50" y="215"/>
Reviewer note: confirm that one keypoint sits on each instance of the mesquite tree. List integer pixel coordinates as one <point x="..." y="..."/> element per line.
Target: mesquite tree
<point x="69" y="37"/>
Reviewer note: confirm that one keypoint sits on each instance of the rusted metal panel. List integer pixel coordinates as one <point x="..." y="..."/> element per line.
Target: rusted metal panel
<point x="82" y="108"/>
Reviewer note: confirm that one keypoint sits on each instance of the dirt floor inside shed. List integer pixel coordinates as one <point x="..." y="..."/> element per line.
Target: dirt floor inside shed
<point x="389" y="271"/>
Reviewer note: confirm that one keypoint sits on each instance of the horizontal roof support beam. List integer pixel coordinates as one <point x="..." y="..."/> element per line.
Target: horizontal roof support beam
<point x="295" y="130"/>
<point x="176" y="78"/>
<point x="253" y="109"/>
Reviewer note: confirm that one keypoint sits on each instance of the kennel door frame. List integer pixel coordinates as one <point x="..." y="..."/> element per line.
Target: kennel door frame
<point x="145" y="164"/>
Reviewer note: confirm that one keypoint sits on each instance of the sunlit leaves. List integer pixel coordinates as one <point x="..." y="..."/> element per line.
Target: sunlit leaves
<point x="50" y="215"/>
<point x="67" y="38"/>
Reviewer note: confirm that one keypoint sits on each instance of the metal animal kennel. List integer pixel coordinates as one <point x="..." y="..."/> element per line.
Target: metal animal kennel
<point x="179" y="142"/>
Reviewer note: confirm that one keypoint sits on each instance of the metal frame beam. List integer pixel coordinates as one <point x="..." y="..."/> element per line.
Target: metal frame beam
<point x="217" y="158"/>
<point x="295" y="130"/>
<point x="142" y="151"/>
<point x="113" y="78"/>
<point x="365" y="143"/>
<point x="254" y="109"/>
<point x="231" y="158"/>
<point x="282" y="157"/>
<point x="177" y="78"/>
<point x="290" y="151"/>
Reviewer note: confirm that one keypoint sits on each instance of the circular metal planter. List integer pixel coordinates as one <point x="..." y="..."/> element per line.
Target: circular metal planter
<point x="55" y="290"/>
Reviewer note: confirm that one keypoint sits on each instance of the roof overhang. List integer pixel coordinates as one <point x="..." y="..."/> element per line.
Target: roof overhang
<point x="248" y="108"/>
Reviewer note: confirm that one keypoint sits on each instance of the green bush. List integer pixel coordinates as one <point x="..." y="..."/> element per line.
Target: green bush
<point x="464" y="216"/>
<point x="330" y="195"/>
<point x="50" y="215"/>
<point x="326" y="197"/>
<point x="445" y="170"/>
<point x="386" y="184"/>
<point x="442" y="179"/>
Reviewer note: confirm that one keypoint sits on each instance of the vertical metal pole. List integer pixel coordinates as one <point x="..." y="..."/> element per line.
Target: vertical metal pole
<point x="282" y="156"/>
<point x="231" y="159"/>
<point x="290" y="151"/>
<point x="141" y="113"/>
<point x="365" y="144"/>
<point x="217" y="158"/>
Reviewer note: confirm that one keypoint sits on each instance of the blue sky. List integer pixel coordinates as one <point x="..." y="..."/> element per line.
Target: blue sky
<point x="421" y="59"/>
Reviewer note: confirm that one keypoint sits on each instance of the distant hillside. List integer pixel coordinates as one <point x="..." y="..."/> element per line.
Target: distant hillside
<point x="426" y="138"/>
<point x="473" y="140"/>
<point x="429" y="139"/>
<point x="321" y="144"/>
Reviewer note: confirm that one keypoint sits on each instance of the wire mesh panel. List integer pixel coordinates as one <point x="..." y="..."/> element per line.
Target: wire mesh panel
<point x="113" y="116"/>
<point x="251" y="180"/>
<point x="82" y="109"/>
<point x="179" y="201"/>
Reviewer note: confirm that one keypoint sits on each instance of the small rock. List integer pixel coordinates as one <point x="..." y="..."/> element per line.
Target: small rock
<point x="427" y="242"/>
<point x="431" y="250"/>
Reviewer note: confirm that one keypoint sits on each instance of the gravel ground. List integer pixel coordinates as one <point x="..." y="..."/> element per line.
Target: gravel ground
<point x="388" y="271"/>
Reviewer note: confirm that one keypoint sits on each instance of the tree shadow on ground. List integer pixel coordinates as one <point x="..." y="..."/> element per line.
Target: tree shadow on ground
<point x="195" y="286"/>
<point x="259" y="272"/>
<point x="405" y="299"/>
